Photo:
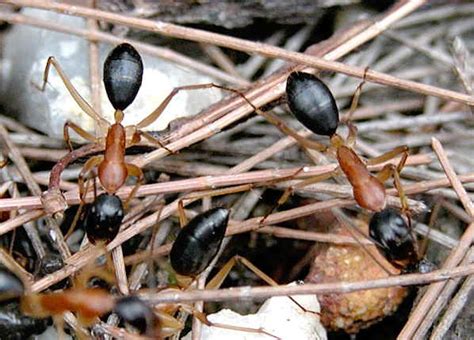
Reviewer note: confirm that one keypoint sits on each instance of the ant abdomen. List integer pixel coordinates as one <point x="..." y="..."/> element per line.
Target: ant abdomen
<point x="11" y="287"/>
<point x="393" y="237"/>
<point x="198" y="242"/>
<point x="138" y="314"/>
<point x="103" y="219"/>
<point x="312" y="103"/>
<point x="123" y="71"/>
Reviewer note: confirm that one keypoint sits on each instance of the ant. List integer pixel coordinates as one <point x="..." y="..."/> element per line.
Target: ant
<point x="197" y="245"/>
<point x="123" y="70"/>
<point x="87" y="303"/>
<point x="314" y="106"/>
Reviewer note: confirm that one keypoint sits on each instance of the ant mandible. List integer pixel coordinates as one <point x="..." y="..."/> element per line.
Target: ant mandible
<point x="314" y="106"/>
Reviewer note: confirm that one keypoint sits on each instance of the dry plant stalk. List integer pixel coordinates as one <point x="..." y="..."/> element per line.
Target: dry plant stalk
<point x="209" y="123"/>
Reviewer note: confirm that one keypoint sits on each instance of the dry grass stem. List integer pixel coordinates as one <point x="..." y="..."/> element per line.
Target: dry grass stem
<point x="230" y="294"/>
<point x="231" y="156"/>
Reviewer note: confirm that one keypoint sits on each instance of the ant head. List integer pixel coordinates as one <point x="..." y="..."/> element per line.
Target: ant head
<point x="104" y="217"/>
<point x="312" y="103"/>
<point x="393" y="236"/>
<point x="11" y="287"/>
<point x="123" y="71"/>
<point x="138" y="314"/>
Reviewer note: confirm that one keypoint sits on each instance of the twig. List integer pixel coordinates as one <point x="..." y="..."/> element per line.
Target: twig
<point x="25" y="172"/>
<point x="425" y="313"/>
<point x="93" y="35"/>
<point x="94" y="67"/>
<point x="453" y="178"/>
<point x="270" y="51"/>
<point x="120" y="272"/>
<point x="232" y="294"/>
<point x="456" y="303"/>
<point x="193" y="184"/>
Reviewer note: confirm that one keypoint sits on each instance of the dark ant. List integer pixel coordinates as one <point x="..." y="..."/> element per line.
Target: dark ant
<point x="195" y="247"/>
<point x="88" y="303"/>
<point x="314" y="106"/>
<point x="395" y="240"/>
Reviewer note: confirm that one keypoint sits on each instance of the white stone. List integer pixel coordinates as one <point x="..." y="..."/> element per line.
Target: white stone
<point x="279" y="316"/>
<point x="25" y="51"/>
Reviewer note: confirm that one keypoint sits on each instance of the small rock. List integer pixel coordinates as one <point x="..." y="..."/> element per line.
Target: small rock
<point x="278" y="316"/>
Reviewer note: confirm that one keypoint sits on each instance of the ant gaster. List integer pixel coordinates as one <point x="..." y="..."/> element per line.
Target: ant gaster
<point x="313" y="104"/>
<point x="198" y="242"/>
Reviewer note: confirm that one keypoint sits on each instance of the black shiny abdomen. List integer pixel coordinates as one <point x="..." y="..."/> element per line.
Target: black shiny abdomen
<point x="103" y="218"/>
<point x="14" y="325"/>
<point x="199" y="241"/>
<point x="312" y="103"/>
<point x="123" y="71"/>
<point x="11" y="287"/>
<point x="393" y="236"/>
<point x="137" y="313"/>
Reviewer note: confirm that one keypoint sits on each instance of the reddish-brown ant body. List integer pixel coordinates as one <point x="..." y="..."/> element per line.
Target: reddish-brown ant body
<point x="313" y="104"/>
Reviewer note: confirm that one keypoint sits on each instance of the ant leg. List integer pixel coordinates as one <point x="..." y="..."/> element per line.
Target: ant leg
<point x="219" y="278"/>
<point x="133" y="170"/>
<point x="391" y="170"/>
<point x="3" y="161"/>
<point x="271" y="118"/>
<point x="159" y="110"/>
<point x="274" y="120"/>
<point x="399" y="150"/>
<point x="277" y="122"/>
<point x="290" y="190"/>
<point x="356" y="96"/>
<point x="90" y="164"/>
<point x="77" y="129"/>
<point x="150" y="138"/>
<point x="78" y="214"/>
<point x="183" y="220"/>
<point x="83" y="104"/>
<point x="352" y="135"/>
<point x="169" y="324"/>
